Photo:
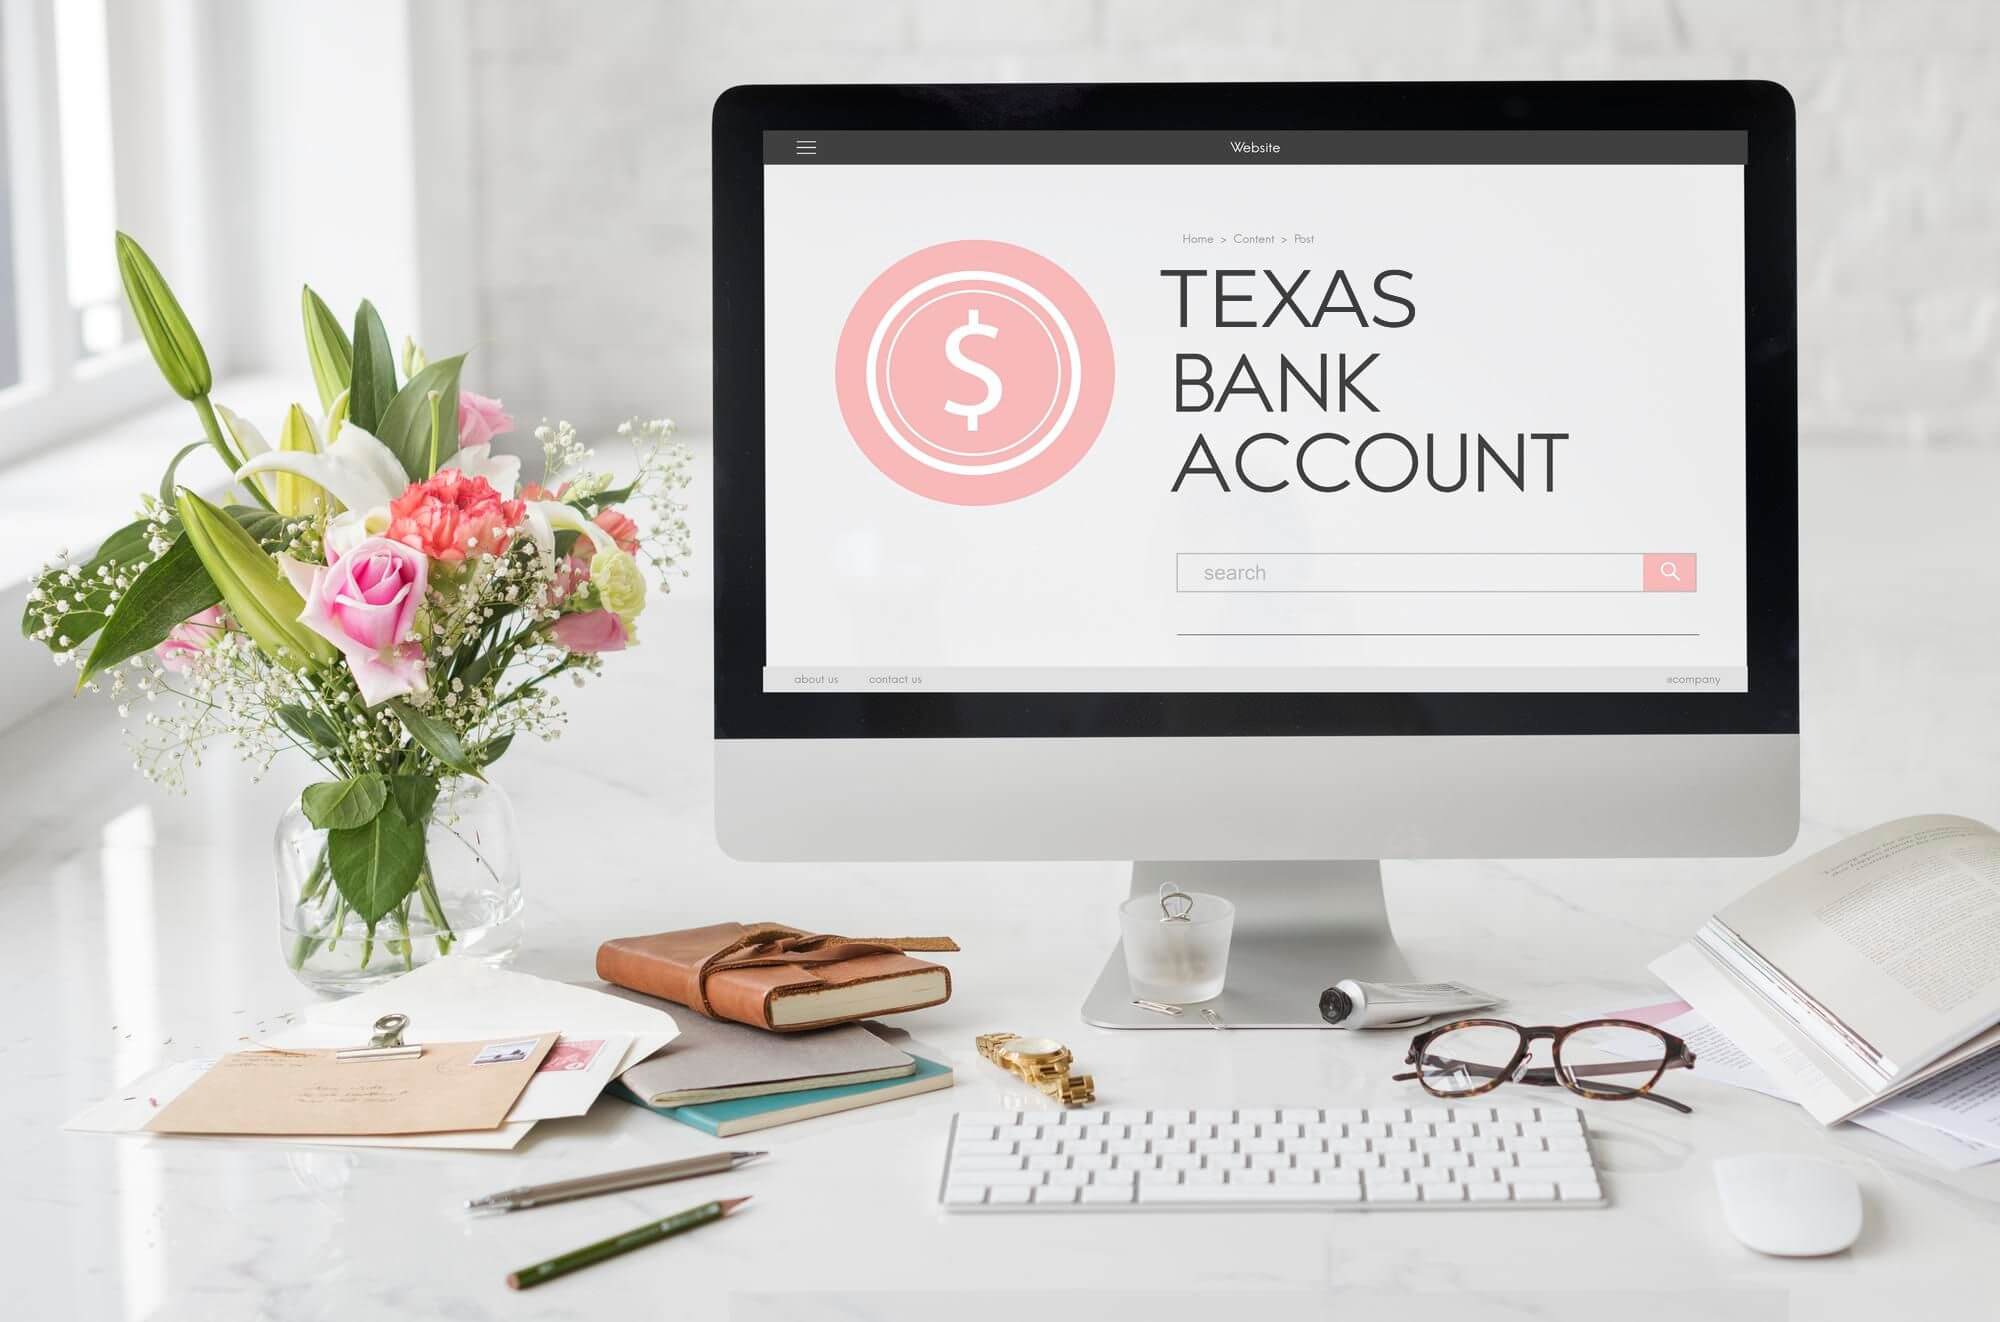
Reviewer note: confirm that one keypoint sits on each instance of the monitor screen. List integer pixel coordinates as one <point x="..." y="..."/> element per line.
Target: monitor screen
<point x="1220" y="412"/>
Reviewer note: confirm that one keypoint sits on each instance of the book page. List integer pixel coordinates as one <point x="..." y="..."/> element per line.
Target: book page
<point x="1895" y="932"/>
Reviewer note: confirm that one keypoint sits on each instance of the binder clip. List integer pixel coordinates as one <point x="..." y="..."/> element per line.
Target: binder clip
<point x="387" y="1044"/>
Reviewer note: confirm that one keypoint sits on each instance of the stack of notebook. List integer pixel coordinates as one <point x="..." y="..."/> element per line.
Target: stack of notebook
<point x="726" y="1078"/>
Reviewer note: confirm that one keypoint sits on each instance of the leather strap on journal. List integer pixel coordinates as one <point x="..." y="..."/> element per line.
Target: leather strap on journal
<point x="765" y="947"/>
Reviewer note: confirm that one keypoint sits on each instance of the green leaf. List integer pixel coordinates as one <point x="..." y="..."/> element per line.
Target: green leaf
<point x="170" y="590"/>
<point x="376" y="864"/>
<point x="167" y="482"/>
<point x="414" y="796"/>
<point x="328" y="349"/>
<point x="435" y="738"/>
<point x="609" y="496"/>
<point x="406" y="424"/>
<point x="273" y="531"/>
<point x="339" y="805"/>
<point x="311" y="727"/>
<point x="89" y="597"/>
<point x="374" y="370"/>
<point x="492" y="750"/>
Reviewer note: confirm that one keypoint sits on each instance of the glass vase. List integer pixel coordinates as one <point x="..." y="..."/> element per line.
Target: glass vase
<point x="467" y="900"/>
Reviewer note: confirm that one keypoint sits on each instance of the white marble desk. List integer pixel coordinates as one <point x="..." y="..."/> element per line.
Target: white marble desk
<point x="138" y="929"/>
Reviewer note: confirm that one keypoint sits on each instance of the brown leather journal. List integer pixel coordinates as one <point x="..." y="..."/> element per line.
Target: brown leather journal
<point x="779" y="978"/>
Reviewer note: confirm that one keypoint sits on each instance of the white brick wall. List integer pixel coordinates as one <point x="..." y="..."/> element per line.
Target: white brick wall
<point x="591" y="147"/>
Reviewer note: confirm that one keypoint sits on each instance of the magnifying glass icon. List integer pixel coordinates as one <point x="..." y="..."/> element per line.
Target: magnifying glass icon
<point x="1669" y="569"/>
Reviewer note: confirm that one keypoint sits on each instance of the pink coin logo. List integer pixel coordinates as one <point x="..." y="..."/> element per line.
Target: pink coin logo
<point x="974" y="372"/>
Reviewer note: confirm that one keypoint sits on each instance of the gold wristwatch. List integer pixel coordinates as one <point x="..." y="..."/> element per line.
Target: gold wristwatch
<point x="1040" y="1061"/>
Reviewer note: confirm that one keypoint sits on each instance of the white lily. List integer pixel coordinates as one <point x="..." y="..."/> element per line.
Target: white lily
<point x="250" y="442"/>
<point x="355" y="469"/>
<point x="503" y="471"/>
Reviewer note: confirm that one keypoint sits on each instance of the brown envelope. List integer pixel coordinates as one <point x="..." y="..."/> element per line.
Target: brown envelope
<point x="451" y="1086"/>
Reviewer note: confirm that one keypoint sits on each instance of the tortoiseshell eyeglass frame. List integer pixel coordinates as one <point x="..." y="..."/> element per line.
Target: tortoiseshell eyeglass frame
<point x="1674" y="1054"/>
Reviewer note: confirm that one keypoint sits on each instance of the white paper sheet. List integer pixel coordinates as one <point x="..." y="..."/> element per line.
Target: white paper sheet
<point x="129" y="1109"/>
<point x="457" y="998"/>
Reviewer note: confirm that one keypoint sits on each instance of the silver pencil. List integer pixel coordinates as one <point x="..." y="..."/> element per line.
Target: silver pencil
<point x="587" y="1186"/>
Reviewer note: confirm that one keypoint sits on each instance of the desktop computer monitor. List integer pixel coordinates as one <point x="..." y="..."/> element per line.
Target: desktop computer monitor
<point x="1256" y="481"/>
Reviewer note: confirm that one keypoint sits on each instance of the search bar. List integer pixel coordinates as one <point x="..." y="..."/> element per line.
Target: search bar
<point x="1436" y="571"/>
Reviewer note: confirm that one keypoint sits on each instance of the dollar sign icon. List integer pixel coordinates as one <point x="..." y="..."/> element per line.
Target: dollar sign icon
<point x="954" y="355"/>
<point x="974" y="372"/>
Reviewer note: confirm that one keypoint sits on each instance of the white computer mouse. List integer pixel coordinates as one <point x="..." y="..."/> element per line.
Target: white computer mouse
<point x="1792" y="1207"/>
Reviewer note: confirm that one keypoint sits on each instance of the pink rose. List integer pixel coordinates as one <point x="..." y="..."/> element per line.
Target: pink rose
<point x="190" y="638"/>
<point x="590" y="632"/>
<point x="480" y="419"/>
<point x="367" y="607"/>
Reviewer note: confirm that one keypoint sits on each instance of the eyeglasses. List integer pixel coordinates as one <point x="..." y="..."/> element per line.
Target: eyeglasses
<point x="1610" y="1059"/>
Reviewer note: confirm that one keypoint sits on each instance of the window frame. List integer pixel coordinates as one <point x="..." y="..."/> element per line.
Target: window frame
<point x="61" y="394"/>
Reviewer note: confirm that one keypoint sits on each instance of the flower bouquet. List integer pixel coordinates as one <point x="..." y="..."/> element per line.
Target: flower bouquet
<point x="379" y="593"/>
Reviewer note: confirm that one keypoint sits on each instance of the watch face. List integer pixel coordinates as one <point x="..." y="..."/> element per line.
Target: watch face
<point x="1033" y="1048"/>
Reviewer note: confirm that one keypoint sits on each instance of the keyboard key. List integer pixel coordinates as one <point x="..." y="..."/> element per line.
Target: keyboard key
<point x="1545" y="1159"/>
<point x="1534" y="1193"/>
<point x="1345" y="1115"/>
<point x="1270" y="1161"/>
<point x="1170" y="1116"/>
<point x="1249" y="1177"/>
<point x="1135" y="1161"/>
<point x="993" y="1163"/>
<point x="1212" y="1117"/>
<point x="1367" y="1130"/>
<point x="1454" y="1129"/>
<point x="1207" y="1176"/>
<point x="1181" y="1161"/>
<point x="1580" y="1191"/>
<point x="1105" y="1193"/>
<point x="989" y="1118"/>
<point x="1576" y="1144"/>
<point x="1239" y="1130"/>
<point x="1008" y="1194"/>
<point x="983" y="1148"/>
<point x="1010" y="1179"/>
<point x="1209" y="1145"/>
<point x="1054" y="1194"/>
<point x="1430" y="1175"/>
<point x="964" y="1195"/>
<point x="1444" y="1193"/>
<point x="1068" y="1179"/>
<point x="1431" y="1145"/>
<point x="1159" y="1177"/>
<point x="1227" y="1161"/>
<point x="1451" y="1159"/>
<point x="1292" y="1175"/>
<point x="1546" y="1175"/>
<point x="1280" y="1130"/>
<point x="1113" y="1177"/>
<point x="1391" y="1193"/>
<point x="1475" y="1175"/>
<point x="1430" y="1115"/>
<point x="1170" y="1146"/>
<point x="973" y="1133"/>
<point x="1317" y="1161"/>
<point x="1194" y="1131"/>
<point x="1258" y="1145"/>
<point x="1122" y="1117"/>
<point x="1078" y="1147"/>
<point x="1299" y="1115"/>
<point x="1156" y="1133"/>
<point x="1258" y="1116"/>
<point x="1123" y="1146"/>
<point x="1403" y="1159"/>
<point x="1488" y="1193"/>
<point x="1084" y="1117"/>
<point x="1051" y="1163"/>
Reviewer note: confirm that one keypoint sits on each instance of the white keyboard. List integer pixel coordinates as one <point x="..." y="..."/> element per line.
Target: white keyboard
<point x="1347" y="1158"/>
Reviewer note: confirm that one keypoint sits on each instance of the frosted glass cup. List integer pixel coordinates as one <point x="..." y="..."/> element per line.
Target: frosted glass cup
<point x="1177" y="962"/>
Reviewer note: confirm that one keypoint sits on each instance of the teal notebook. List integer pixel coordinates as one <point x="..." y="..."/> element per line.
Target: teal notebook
<point x="743" y="1114"/>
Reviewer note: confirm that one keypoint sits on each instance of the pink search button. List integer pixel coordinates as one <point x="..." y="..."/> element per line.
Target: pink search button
<point x="1670" y="573"/>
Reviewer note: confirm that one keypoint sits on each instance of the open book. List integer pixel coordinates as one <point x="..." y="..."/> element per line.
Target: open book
<point x="1874" y="964"/>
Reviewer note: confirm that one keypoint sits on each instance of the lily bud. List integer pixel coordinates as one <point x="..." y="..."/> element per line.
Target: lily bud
<point x="413" y="358"/>
<point x="296" y="496"/>
<point x="327" y="348"/>
<point x="161" y="321"/>
<point x="265" y="605"/>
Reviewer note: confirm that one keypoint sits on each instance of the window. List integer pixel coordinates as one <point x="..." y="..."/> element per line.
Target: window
<point x="70" y="358"/>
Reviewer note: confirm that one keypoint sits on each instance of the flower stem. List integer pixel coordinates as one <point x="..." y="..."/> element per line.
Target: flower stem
<point x="230" y="460"/>
<point x="434" y="910"/>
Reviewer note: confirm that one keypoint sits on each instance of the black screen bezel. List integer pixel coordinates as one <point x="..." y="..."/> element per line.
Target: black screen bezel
<point x="1763" y="110"/>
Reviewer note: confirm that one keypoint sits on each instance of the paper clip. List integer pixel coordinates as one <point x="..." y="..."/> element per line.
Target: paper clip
<point x="1157" y="1007"/>
<point x="387" y="1044"/>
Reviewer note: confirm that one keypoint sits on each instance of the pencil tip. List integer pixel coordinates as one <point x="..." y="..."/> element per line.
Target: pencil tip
<point x="513" y="1280"/>
<point x="731" y="1204"/>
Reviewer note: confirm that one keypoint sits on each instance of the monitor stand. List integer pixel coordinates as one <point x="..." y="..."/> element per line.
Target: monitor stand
<point x="1300" y="928"/>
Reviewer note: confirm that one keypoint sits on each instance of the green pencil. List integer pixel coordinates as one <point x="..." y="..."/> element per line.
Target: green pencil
<point x="650" y="1233"/>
